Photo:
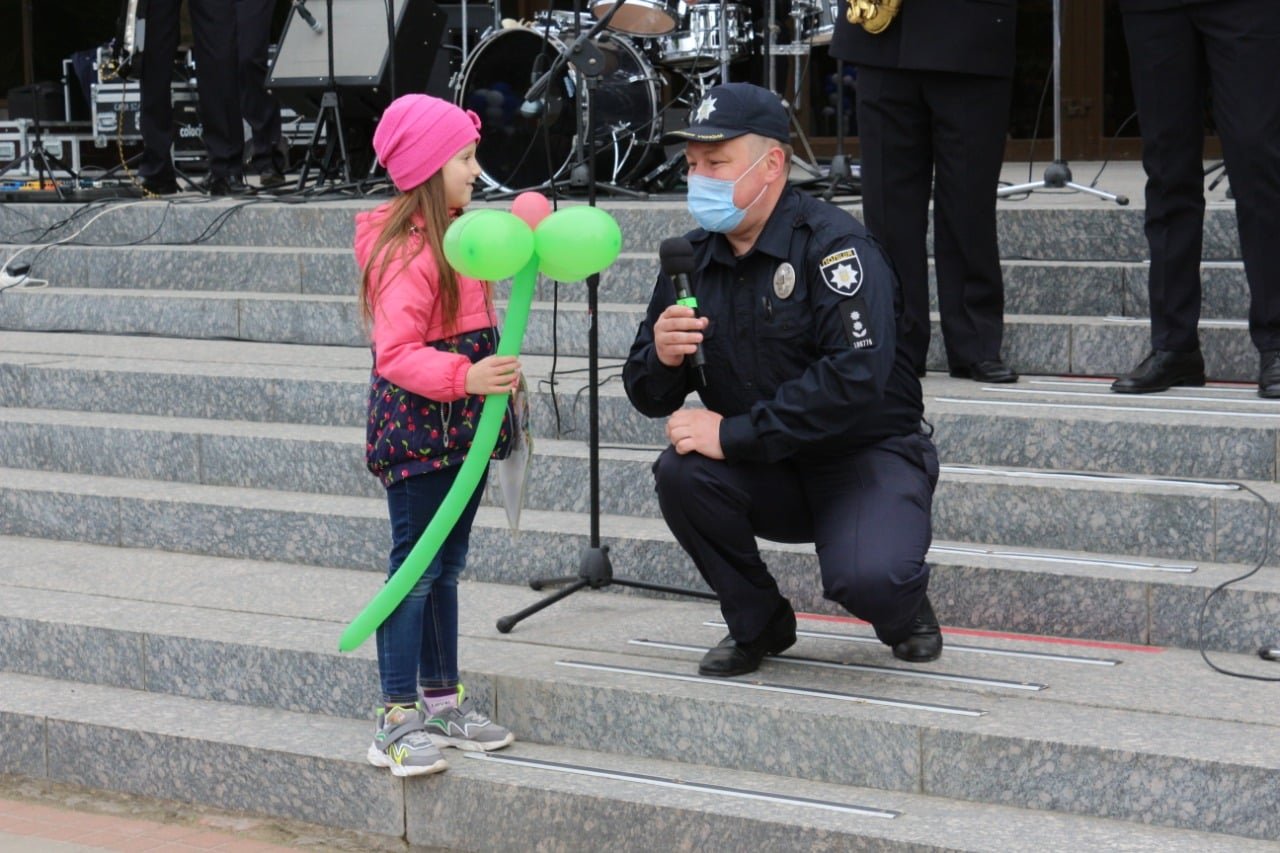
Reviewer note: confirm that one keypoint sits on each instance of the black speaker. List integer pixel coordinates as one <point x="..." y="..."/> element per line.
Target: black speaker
<point x="361" y="71"/>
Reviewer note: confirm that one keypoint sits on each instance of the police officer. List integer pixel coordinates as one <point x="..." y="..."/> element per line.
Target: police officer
<point x="213" y="28"/>
<point x="933" y="98"/>
<point x="1179" y="50"/>
<point x="811" y="430"/>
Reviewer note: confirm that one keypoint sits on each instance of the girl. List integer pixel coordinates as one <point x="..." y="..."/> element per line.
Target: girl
<point x="434" y="335"/>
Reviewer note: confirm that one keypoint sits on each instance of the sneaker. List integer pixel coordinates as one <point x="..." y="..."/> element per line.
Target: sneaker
<point x="466" y="728"/>
<point x="401" y="743"/>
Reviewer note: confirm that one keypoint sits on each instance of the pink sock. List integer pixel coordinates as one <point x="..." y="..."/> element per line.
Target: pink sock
<point x="438" y="699"/>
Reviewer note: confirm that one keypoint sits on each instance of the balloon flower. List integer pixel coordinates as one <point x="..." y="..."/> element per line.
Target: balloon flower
<point x="567" y="245"/>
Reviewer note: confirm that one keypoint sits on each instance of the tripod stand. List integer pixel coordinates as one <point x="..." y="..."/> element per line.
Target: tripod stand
<point x="329" y="124"/>
<point x="594" y="569"/>
<point x="1057" y="175"/>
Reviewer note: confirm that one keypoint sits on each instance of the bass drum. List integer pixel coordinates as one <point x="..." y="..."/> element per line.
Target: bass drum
<point x="515" y="149"/>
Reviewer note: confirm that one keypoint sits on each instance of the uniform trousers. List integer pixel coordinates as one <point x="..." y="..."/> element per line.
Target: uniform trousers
<point x="868" y="514"/>
<point x="259" y="108"/>
<point x="945" y="132"/>
<point x="213" y="26"/>
<point x="1231" y="51"/>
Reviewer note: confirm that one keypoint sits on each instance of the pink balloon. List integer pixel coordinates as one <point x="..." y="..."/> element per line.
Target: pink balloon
<point x="532" y="207"/>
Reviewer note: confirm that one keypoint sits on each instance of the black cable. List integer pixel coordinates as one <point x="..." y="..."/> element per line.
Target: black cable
<point x="1035" y="134"/>
<point x="1262" y="559"/>
<point x="1111" y="145"/>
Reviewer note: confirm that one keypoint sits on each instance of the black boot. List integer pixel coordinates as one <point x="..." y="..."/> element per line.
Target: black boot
<point x="731" y="657"/>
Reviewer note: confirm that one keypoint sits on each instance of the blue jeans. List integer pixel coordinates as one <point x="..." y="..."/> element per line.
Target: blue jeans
<point x="418" y="643"/>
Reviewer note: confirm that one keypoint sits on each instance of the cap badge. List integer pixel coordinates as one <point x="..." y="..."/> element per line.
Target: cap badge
<point x="705" y="109"/>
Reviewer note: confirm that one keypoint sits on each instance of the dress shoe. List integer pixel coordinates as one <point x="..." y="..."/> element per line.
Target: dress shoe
<point x="1160" y="371"/>
<point x="159" y="185"/>
<point x="270" y="178"/>
<point x="924" y="643"/>
<point x="224" y="185"/>
<point x="1269" y="374"/>
<point x="731" y="657"/>
<point x="986" y="371"/>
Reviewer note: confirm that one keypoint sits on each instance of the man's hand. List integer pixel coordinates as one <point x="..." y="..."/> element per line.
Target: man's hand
<point x="695" y="431"/>
<point x="677" y="334"/>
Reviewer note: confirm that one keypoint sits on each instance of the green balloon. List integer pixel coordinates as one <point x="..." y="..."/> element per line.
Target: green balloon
<point x="468" y="479"/>
<point x="575" y="242"/>
<point x="488" y="244"/>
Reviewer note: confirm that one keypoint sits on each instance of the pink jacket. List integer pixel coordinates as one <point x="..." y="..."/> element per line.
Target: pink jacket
<point x="407" y="317"/>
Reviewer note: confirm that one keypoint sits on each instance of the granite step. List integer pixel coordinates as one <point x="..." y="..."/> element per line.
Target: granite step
<point x="1031" y="287"/>
<point x="1034" y="344"/>
<point x="1032" y="229"/>
<point x="308" y="767"/>
<point x="1011" y="720"/>
<point x="1060" y="579"/>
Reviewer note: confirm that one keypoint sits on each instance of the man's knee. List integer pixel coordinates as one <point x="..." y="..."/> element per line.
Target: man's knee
<point x="882" y="594"/>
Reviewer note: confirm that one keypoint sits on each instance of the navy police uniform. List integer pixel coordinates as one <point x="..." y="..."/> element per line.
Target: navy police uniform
<point x="933" y="98"/>
<point x="822" y="420"/>
<point x="1179" y="52"/>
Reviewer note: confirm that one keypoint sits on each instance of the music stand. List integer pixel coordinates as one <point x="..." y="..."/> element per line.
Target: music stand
<point x="594" y="569"/>
<point x="1057" y="175"/>
<point x="329" y="123"/>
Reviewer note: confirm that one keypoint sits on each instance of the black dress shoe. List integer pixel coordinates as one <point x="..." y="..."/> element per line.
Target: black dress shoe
<point x="986" y="371"/>
<point x="924" y="643"/>
<point x="1269" y="374"/>
<point x="270" y="178"/>
<point x="233" y="185"/>
<point x="731" y="658"/>
<point x="159" y="185"/>
<point x="1160" y="371"/>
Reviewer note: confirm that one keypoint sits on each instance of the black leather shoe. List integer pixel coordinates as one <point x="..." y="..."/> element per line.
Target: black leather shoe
<point x="234" y="185"/>
<point x="924" y="643"/>
<point x="271" y="178"/>
<point x="731" y="658"/>
<point x="1269" y="374"/>
<point x="159" y="186"/>
<point x="1160" y="371"/>
<point x="986" y="371"/>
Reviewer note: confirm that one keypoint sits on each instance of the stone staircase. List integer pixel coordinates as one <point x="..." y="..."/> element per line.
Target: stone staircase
<point x="186" y="527"/>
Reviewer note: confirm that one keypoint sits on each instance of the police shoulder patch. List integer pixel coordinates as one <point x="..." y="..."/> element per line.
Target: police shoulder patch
<point x="842" y="271"/>
<point x="856" y="319"/>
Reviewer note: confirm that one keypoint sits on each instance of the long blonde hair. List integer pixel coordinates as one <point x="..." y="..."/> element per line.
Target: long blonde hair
<point x="401" y="240"/>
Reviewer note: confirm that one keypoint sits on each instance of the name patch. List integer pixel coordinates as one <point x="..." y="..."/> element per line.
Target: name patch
<point x="854" y="314"/>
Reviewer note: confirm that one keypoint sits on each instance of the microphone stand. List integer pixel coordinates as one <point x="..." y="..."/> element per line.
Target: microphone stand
<point x="1057" y="175"/>
<point x="329" y="123"/>
<point x="588" y="60"/>
<point x="594" y="569"/>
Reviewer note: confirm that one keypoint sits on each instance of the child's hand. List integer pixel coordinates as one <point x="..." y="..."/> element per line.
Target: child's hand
<point x="496" y="374"/>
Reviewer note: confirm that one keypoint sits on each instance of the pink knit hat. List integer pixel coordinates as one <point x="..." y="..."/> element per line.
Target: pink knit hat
<point x="417" y="134"/>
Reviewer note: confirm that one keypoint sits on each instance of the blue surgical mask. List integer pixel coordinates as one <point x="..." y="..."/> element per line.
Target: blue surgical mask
<point x="710" y="200"/>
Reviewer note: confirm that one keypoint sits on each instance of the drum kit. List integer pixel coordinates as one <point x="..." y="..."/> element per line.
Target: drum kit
<point x="659" y="57"/>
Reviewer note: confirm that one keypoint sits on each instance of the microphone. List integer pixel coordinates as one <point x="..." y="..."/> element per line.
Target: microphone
<point x="534" y="107"/>
<point x="300" y="5"/>
<point x="676" y="256"/>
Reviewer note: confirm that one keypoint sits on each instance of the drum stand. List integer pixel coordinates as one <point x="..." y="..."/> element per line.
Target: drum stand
<point x="795" y="50"/>
<point x="1057" y="175"/>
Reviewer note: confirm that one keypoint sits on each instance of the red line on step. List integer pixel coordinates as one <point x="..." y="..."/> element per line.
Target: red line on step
<point x="1003" y="635"/>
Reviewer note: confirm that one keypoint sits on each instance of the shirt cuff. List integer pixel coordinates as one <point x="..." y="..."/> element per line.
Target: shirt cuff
<point x="737" y="437"/>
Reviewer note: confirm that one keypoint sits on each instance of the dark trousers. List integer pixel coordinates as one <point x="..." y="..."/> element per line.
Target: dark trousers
<point x="259" y="108"/>
<point x="868" y="514"/>
<point x="939" y="131"/>
<point x="1230" y="50"/>
<point x="213" y="26"/>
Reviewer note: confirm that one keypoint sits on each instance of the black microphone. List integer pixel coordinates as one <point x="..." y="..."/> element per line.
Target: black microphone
<point x="307" y="16"/>
<point x="534" y="107"/>
<point x="676" y="256"/>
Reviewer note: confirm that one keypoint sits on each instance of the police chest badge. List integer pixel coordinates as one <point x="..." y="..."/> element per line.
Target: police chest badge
<point x="784" y="280"/>
<point x="842" y="271"/>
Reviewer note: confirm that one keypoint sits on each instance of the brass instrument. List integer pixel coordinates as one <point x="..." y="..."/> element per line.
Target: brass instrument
<point x="873" y="15"/>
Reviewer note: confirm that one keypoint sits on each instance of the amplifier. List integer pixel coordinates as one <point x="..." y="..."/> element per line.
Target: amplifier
<point x="120" y="102"/>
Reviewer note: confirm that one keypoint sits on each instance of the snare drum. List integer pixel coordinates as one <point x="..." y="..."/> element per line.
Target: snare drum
<point x="640" y="17"/>
<point x="697" y="44"/>
<point x="817" y="24"/>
